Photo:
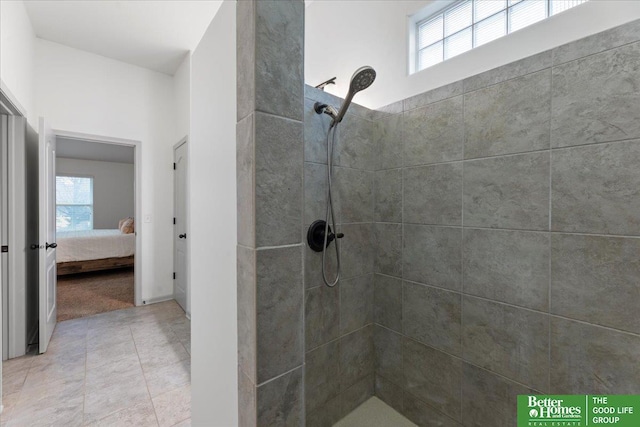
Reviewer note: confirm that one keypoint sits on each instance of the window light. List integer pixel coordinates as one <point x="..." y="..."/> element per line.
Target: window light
<point x="471" y="23"/>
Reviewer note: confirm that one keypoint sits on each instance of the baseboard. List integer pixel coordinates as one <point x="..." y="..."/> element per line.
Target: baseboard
<point x="157" y="299"/>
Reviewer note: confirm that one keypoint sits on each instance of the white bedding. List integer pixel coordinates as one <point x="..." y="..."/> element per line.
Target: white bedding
<point x="93" y="244"/>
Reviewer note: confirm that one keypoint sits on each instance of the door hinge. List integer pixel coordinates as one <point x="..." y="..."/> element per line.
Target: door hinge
<point x="5" y="249"/>
<point x="174" y="220"/>
<point x="174" y="166"/>
<point x="174" y="276"/>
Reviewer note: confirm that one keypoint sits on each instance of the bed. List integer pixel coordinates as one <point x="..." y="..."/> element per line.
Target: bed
<point x="93" y="250"/>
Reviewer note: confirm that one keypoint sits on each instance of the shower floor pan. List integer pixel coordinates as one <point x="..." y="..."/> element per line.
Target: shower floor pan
<point x="374" y="413"/>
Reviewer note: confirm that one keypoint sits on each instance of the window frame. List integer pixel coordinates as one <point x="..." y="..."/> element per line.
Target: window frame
<point x="441" y="8"/>
<point x="75" y="175"/>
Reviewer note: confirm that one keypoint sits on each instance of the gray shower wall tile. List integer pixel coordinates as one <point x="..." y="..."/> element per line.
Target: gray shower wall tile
<point x="595" y="279"/>
<point x="488" y="399"/>
<point x="355" y="143"/>
<point x="434" y="133"/>
<point x="322" y="315"/>
<point x="315" y="194"/>
<point x="387" y="130"/>
<point x="507" y="192"/>
<point x="389" y="393"/>
<point x="316" y="127"/>
<point x="356" y="356"/>
<point x="605" y="40"/>
<point x="510" y="71"/>
<point x="313" y="265"/>
<point x="435" y="95"/>
<point x="246" y="401"/>
<point x="356" y="303"/>
<point x="388" y="196"/>
<point x="279" y="307"/>
<point x="353" y="194"/>
<point x="278" y="180"/>
<point x="245" y="48"/>
<point x="356" y="249"/>
<point x="280" y="402"/>
<point x="326" y="415"/>
<point x="388" y="244"/>
<point x="433" y="377"/>
<point x="394" y="108"/>
<point x="245" y="185"/>
<point x="388" y="302"/>
<point x="433" y="194"/>
<point x="357" y="394"/>
<point x="322" y="376"/>
<point x="596" y="189"/>
<point x="247" y="312"/>
<point x="388" y="355"/>
<point x="424" y="415"/>
<point x="507" y="266"/>
<point x="607" y="360"/>
<point x="432" y="316"/>
<point x="510" y="117"/>
<point x="597" y="98"/>
<point x="511" y="341"/>
<point x="279" y="58"/>
<point x="433" y="255"/>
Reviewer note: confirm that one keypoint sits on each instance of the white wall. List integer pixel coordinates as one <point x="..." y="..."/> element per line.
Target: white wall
<point x="375" y="33"/>
<point x="17" y="40"/>
<point x="182" y="97"/>
<point x="213" y="219"/>
<point x="82" y="92"/>
<point x="113" y="188"/>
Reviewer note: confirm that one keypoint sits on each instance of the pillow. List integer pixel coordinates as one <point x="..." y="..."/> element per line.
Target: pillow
<point x="128" y="226"/>
<point x="120" y="223"/>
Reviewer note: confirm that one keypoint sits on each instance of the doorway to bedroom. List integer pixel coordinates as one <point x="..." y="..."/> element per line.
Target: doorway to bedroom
<point x="95" y="226"/>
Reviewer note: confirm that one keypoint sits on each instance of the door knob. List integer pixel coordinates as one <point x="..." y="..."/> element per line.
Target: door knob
<point x="182" y="236"/>
<point x="51" y="245"/>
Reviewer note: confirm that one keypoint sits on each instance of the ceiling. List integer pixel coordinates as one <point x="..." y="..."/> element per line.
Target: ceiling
<point x="154" y="34"/>
<point x="90" y="150"/>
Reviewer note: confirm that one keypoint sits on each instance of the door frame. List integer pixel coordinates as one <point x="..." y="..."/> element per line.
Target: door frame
<point x="137" y="145"/>
<point x="12" y="344"/>
<point x="184" y="140"/>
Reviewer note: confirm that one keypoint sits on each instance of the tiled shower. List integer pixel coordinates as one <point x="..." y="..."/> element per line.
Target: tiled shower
<point x="491" y="235"/>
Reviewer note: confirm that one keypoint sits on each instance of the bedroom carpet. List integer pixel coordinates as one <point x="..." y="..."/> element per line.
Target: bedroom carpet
<point x="81" y="295"/>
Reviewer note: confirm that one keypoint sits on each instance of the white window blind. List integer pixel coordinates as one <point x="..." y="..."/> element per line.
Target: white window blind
<point x="472" y="23"/>
<point x="74" y="203"/>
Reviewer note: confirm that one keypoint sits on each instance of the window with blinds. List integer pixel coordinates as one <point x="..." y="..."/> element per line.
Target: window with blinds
<point x="74" y="203"/>
<point x="472" y="23"/>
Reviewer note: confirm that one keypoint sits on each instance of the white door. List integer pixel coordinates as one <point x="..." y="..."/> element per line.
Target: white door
<point x="47" y="228"/>
<point x="180" y="252"/>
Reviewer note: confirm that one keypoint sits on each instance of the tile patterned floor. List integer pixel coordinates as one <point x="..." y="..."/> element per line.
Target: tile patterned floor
<point x="128" y="367"/>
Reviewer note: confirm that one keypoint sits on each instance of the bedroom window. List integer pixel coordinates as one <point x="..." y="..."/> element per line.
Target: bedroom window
<point x="467" y="24"/>
<point x="74" y="203"/>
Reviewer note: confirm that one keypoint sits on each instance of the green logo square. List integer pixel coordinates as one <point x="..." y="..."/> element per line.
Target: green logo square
<point x="578" y="410"/>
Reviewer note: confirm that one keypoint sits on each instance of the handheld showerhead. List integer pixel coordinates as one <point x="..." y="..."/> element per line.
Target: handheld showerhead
<point x="361" y="79"/>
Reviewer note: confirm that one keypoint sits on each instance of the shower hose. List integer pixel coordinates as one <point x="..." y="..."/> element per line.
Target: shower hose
<point x="330" y="216"/>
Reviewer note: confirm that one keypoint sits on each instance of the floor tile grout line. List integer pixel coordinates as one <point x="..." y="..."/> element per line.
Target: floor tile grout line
<point x="146" y="383"/>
